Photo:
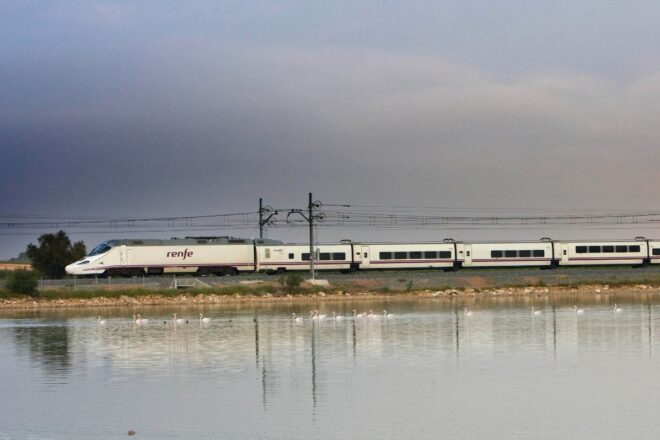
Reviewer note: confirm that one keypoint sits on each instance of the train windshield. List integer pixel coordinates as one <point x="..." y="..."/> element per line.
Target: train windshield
<point x="100" y="249"/>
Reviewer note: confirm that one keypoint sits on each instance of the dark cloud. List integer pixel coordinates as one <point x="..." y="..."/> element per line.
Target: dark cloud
<point x="177" y="123"/>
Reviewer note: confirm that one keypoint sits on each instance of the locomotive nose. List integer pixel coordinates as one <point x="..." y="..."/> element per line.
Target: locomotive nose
<point x="70" y="270"/>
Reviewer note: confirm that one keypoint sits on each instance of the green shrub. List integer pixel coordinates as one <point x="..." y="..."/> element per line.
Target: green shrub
<point x="291" y="281"/>
<point x="23" y="282"/>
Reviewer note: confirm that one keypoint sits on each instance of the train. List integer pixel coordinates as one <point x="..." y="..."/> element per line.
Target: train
<point x="232" y="256"/>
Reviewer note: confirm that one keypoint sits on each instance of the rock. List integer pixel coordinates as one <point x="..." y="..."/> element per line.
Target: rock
<point x="321" y="293"/>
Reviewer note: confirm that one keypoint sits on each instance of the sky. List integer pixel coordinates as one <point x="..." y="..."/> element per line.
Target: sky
<point x="168" y="108"/>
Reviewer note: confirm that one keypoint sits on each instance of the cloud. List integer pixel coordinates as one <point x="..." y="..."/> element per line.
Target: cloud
<point x="199" y="125"/>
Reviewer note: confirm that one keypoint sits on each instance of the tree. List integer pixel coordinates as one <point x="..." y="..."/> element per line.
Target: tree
<point x="54" y="253"/>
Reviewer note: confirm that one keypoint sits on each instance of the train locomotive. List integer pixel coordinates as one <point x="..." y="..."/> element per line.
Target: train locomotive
<point x="232" y="256"/>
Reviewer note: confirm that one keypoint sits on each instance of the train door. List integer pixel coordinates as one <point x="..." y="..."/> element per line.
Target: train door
<point x="122" y="255"/>
<point x="365" y="256"/>
<point x="564" y="253"/>
<point x="467" y="254"/>
<point x="129" y="253"/>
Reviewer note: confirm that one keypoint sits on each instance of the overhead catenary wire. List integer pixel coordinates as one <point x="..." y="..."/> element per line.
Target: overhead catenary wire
<point x="343" y="216"/>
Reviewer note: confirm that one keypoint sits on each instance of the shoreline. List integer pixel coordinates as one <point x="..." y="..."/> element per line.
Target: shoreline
<point x="191" y="298"/>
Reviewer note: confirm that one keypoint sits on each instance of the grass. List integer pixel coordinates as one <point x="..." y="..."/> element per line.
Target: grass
<point x="6" y="294"/>
<point x="277" y="289"/>
<point x="82" y="293"/>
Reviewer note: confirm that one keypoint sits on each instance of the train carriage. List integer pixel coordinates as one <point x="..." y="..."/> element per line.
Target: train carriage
<point x="199" y="255"/>
<point x="405" y="255"/>
<point x="508" y="254"/>
<point x="654" y="251"/>
<point x="285" y="257"/>
<point x="591" y="253"/>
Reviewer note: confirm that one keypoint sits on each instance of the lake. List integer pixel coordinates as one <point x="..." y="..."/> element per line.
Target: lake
<point x="429" y="371"/>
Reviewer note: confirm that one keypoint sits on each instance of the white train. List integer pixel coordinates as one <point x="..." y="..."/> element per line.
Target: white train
<point x="231" y="256"/>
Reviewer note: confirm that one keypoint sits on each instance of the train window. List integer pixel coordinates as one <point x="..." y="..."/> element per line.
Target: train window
<point x="415" y="255"/>
<point x="267" y="252"/>
<point x="540" y="253"/>
<point x="386" y="255"/>
<point x="510" y="254"/>
<point x="656" y="251"/>
<point x="444" y="254"/>
<point x="608" y="249"/>
<point x="634" y="248"/>
<point x="524" y="253"/>
<point x="622" y="248"/>
<point x="400" y="255"/>
<point x="102" y="248"/>
<point x="291" y="257"/>
<point x="339" y="256"/>
<point x="305" y="256"/>
<point x="581" y="249"/>
<point x="325" y="256"/>
<point x="496" y="254"/>
<point x="594" y="249"/>
<point x="430" y="255"/>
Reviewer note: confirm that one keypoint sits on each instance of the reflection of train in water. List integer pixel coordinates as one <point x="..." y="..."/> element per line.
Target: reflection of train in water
<point x="230" y="256"/>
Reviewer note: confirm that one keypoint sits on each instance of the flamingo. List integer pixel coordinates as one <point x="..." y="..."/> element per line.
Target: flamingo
<point x="320" y="316"/>
<point x="335" y="317"/>
<point x="467" y="312"/>
<point x="373" y="315"/>
<point x="204" y="320"/>
<point x="536" y="312"/>
<point x="578" y="311"/>
<point x="617" y="309"/>
<point x="179" y="320"/>
<point x="101" y="321"/>
<point x="357" y="315"/>
<point x="387" y="315"/>
<point x="294" y="319"/>
<point x="141" y="320"/>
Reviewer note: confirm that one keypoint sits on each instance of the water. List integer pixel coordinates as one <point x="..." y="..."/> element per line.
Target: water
<point x="428" y="372"/>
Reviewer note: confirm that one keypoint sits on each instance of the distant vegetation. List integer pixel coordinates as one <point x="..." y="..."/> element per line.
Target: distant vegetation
<point x="22" y="258"/>
<point x="54" y="253"/>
